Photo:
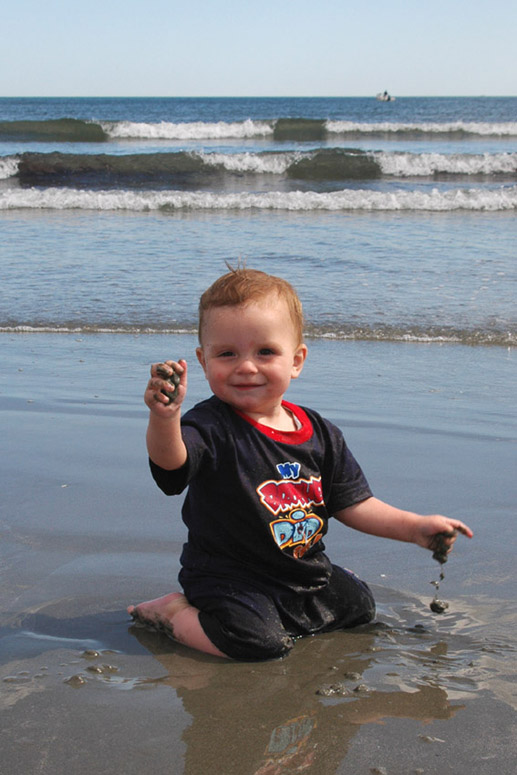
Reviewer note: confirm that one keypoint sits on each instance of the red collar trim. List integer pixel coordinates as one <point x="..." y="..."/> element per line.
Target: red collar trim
<point x="299" y="436"/>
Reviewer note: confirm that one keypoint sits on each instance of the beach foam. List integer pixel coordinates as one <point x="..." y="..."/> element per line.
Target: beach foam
<point x="488" y="200"/>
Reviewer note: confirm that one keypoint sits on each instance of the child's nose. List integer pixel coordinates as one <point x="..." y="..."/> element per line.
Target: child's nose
<point x="247" y="366"/>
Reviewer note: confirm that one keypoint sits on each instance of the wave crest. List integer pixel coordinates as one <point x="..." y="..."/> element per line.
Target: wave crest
<point x="501" y="129"/>
<point x="8" y="167"/>
<point x="503" y="198"/>
<point x="429" y="164"/>
<point x="298" y="129"/>
<point x="198" y="130"/>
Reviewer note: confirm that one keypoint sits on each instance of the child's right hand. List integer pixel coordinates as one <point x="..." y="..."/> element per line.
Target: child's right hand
<point x="156" y="400"/>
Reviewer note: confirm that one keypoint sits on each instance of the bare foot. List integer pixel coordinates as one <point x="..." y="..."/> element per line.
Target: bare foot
<point x="174" y="616"/>
<point x="159" y="613"/>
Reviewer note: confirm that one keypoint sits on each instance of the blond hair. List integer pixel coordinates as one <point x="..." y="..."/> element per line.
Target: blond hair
<point x="241" y="286"/>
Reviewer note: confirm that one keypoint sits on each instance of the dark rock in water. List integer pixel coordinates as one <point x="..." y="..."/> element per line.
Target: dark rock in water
<point x="418" y="628"/>
<point x="438" y="606"/>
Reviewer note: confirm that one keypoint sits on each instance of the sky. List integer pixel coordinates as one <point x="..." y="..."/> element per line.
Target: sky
<point x="261" y="48"/>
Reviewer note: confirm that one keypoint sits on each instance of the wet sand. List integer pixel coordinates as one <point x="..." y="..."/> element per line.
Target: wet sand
<point x="85" y="532"/>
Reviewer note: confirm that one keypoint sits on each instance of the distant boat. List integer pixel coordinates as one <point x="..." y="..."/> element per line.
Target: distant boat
<point x="384" y="97"/>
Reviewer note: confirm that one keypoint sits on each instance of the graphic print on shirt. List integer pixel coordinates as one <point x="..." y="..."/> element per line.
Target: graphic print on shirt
<point x="293" y="498"/>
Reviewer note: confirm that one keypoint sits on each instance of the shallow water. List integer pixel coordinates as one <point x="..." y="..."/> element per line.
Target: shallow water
<point x="385" y="276"/>
<point x="337" y="702"/>
<point x="87" y="533"/>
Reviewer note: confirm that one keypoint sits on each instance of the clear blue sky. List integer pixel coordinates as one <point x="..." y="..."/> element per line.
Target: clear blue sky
<point x="261" y="48"/>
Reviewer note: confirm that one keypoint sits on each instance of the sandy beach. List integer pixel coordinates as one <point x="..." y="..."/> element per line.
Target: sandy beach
<point x="85" y="532"/>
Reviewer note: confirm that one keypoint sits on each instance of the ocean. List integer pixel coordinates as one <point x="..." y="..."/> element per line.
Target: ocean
<point x="395" y="221"/>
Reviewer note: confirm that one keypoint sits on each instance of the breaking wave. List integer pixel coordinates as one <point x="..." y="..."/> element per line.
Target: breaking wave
<point x="8" y="167"/>
<point x="300" y="129"/>
<point x="104" y="170"/>
<point x="431" y="164"/>
<point x="483" y="129"/>
<point x="76" y="130"/>
<point x="435" y="200"/>
<point x="197" y="130"/>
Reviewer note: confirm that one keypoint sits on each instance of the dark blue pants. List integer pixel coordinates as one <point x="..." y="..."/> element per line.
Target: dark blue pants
<point x="248" y="622"/>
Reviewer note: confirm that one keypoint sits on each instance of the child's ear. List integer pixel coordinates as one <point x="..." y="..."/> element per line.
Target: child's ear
<point x="299" y="359"/>
<point x="201" y="357"/>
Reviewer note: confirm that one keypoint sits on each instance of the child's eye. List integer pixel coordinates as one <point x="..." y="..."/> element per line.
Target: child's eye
<point x="225" y="354"/>
<point x="266" y="351"/>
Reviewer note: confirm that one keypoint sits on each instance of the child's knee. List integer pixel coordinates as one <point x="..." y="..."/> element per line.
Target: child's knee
<point x="368" y="611"/>
<point x="365" y="606"/>
<point x="353" y="599"/>
<point x="274" y="646"/>
<point x="245" y="643"/>
<point x="270" y="645"/>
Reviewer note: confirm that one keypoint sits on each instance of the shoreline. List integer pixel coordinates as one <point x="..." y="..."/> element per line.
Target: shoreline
<point x="463" y="337"/>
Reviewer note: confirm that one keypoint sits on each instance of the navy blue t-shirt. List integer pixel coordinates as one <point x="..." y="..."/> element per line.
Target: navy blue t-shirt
<point x="259" y="500"/>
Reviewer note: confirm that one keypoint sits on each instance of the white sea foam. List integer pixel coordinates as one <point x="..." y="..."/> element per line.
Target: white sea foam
<point x="201" y="130"/>
<point x="198" y="130"/>
<point x="411" y="164"/>
<point x="502" y="129"/>
<point x="8" y="167"/>
<point x="398" y="164"/>
<point x="502" y="198"/>
<point x="275" y="163"/>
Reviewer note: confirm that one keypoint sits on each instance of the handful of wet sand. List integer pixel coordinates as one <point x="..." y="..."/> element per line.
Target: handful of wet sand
<point x="173" y="379"/>
<point x="440" y="555"/>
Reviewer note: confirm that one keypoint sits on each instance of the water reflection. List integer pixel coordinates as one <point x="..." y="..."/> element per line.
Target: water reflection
<point x="291" y="715"/>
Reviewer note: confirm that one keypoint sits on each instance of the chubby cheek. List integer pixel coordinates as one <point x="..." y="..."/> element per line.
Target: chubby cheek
<point x="215" y="374"/>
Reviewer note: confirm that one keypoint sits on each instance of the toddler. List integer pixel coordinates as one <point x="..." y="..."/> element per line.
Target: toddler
<point x="264" y="477"/>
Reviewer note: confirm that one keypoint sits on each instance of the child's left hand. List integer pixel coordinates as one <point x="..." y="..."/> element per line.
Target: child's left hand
<point x="438" y="532"/>
<point x="380" y="519"/>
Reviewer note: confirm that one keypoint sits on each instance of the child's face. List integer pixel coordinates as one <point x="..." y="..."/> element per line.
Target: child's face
<point x="250" y="354"/>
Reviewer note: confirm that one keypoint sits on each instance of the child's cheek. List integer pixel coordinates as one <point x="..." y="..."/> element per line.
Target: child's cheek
<point x="216" y="374"/>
